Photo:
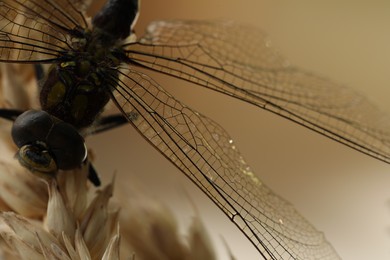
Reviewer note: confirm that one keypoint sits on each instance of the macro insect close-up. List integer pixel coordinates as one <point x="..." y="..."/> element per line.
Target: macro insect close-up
<point x="82" y="64"/>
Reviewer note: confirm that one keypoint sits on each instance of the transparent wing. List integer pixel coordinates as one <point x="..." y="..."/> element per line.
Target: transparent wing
<point x="238" y="61"/>
<point x="38" y="30"/>
<point x="207" y="155"/>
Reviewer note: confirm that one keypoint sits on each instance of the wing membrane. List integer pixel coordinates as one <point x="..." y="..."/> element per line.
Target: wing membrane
<point x="238" y="61"/>
<point x="65" y="14"/>
<point x="207" y="155"/>
<point x="37" y="30"/>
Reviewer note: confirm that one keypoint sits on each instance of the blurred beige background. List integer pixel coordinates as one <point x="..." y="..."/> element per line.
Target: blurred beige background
<point x="342" y="192"/>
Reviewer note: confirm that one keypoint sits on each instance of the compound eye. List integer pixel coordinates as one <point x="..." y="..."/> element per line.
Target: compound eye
<point x="30" y="127"/>
<point x="37" y="159"/>
<point x="66" y="145"/>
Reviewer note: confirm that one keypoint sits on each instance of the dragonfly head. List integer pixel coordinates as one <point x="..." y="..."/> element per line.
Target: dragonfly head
<point x="47" y="144"/>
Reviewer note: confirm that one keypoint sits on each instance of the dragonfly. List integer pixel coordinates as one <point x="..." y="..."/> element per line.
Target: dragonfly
<point x="94" y="62"/>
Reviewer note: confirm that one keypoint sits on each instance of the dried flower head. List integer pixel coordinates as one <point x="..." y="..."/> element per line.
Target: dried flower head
<point x="152" y="232"/>
<point x="72" y="228"/>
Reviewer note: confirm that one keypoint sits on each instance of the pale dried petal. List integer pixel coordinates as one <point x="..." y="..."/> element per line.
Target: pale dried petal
<point x="112" y="250"/>
<point x="199" y="242"/>
<point x="6" y="252"/>
<point x="58" y="253"/>
<point x="4" y="206"/>
<point x="23" y="192"/>
<point x="229" y="252"/>
<point x="81" y="247"/>
<point x="152" y="232"/>
<point x="24" y="235"/>
<point x="74" y="189"/>
<point x="69" y="247"/>
<point x="165" y="237"/>
<point x="22" y="249"/>
<point x="52" y="251"/>
<point x="97" y="222"/>
<point x="58" y="219"/>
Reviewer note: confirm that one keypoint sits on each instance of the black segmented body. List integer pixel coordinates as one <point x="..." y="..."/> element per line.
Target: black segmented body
<point x="77" y="89"/>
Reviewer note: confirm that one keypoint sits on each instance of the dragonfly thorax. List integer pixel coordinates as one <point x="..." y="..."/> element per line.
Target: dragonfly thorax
<point x="76" y="91"/>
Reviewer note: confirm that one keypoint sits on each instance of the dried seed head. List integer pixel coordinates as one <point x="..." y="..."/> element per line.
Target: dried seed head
<point x="60" y="236"/>
<point x="151" y="231"/>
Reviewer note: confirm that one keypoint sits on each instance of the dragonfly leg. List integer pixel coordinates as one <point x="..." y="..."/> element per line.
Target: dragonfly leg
<point x="93" y="176"/>
<point x="39" y="72"/>
<point x="10" y="114"/>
